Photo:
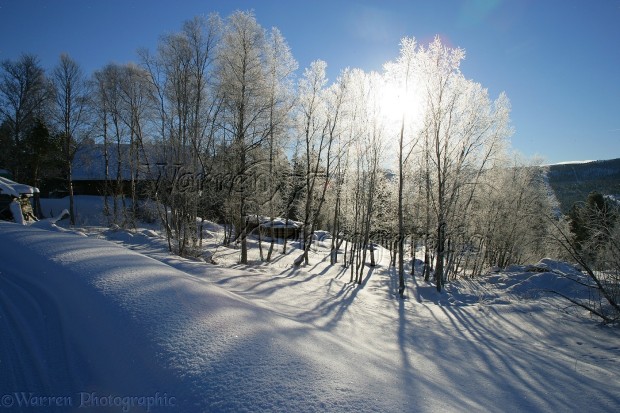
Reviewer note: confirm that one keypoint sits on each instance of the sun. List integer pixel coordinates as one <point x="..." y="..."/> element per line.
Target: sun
<point x="390" y="102"/>
<point x="398" y="105"/>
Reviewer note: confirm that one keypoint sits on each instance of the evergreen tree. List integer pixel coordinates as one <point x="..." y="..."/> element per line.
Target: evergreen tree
<point x="592" y="221"/>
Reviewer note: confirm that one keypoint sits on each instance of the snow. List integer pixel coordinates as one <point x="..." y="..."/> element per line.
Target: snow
<point x="572" y="162"/>
<point x="88" y="208"/>
<point x="16" y="211"/>
<point x="15" y="189"/>
<point x="113" y="313"/>
<point x="280" y="223"/>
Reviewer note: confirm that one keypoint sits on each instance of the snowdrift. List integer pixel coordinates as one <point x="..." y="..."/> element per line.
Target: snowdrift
<point x="82" y="316"/>
<point x="91" y="323"/>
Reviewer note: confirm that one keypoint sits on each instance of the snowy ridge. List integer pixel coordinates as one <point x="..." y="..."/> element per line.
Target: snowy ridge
<point x="570" y="162"/>
<point x="139" y="327"/>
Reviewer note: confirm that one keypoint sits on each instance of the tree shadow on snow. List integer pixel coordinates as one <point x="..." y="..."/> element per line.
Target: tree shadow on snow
<point x="336" y="306"/>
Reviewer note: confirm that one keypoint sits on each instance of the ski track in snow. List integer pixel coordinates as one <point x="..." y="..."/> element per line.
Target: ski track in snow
<point x="81" y="314"/>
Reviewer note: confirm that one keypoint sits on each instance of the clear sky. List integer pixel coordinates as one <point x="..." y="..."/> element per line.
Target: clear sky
<point x="557" y="60"/>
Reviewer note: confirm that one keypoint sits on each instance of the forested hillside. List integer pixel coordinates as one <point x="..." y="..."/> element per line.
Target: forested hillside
<point x="574" y="181"/>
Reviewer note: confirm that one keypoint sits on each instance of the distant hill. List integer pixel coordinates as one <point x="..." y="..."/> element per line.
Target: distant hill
<point x="572" y="182"/>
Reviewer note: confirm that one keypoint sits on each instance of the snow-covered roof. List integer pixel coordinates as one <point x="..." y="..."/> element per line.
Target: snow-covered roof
<point x="8" y="187"/>
<point x="280" y="223"/>
<point x="89" y="163"/>
<point x="277" y="222"/>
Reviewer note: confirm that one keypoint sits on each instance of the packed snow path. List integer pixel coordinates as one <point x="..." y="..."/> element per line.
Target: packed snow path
<point x="81" y="316"/>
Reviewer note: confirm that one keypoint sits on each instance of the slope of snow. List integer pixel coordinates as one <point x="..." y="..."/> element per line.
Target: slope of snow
<point x="84" y="315"/>
<point x="80" y="314"/>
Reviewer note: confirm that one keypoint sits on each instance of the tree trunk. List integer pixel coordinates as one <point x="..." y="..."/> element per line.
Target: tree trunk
<point x="244" y="243"/>
<point x="260" y="240"/>
<point x="401" y="224"/>
<point x="272" y="234"/>
<point x="412" y="256"/>
<point x="285" y="237"/>
<point x="335" y="228"/>
<point x="71" y="198"/>
<point x="440" y="256"/>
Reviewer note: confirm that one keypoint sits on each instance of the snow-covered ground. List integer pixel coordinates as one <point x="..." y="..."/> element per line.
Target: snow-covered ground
<point x="96" y="312"/>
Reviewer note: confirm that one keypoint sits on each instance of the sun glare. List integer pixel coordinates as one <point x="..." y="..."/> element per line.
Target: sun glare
<point x="395" y="105"/>
<point x="390" y="101"/>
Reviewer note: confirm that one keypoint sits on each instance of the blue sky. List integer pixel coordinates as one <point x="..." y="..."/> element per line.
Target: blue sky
<point x="557" y="60"/>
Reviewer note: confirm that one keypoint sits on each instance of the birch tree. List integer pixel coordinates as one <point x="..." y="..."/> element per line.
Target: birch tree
<point x="463" y="131"/>
<point x="107" y="106"/>
<point x="280" y="67"/>
<point x="318" y="124"/>
<point x="243" y="84"/>
<point x="368" y="149"/>
<point x="402" y="76"/>
<point x="508" y="221"/>
<point x="71" y="93"/>
<point x="137" y="98"/>
<point x="179" y="74"/>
